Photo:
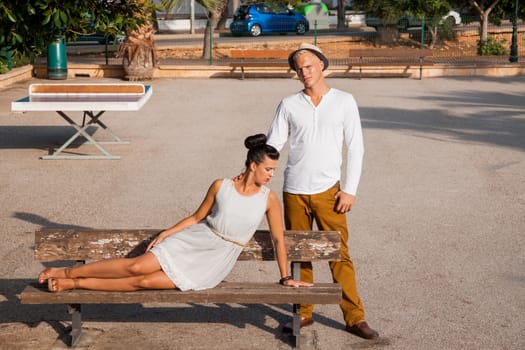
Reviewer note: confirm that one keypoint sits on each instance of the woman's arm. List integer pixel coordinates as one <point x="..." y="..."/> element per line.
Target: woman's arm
<point x="203" y="211"/>
<point x="275" y="222"/>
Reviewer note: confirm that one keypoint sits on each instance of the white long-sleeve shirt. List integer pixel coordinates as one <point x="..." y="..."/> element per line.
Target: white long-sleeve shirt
<point x="316" y="136"/>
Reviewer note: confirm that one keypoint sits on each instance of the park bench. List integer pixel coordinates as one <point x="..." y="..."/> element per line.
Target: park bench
<point x="260" y="58"/>
<point x="88" y="245"/>
<point x="384" y="57"/>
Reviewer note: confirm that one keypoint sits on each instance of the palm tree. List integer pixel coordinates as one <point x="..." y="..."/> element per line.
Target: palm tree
<point x="214" y="8"/>
<point x="169" y="6"/>
<point x="138" y="49"/>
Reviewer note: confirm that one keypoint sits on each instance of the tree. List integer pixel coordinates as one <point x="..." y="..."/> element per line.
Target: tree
<point x="28" y="26"/>
<point x="483" y="8"/>
<point x="388" y="12"/>
<point x="169" y="6"/>
<point x="432" y="11"/>
<point x="138" y="49"/>
<point x="214" y="8"/>
<point x="491" y="11"/>
<point x="341" y="14"/>
<point x="506" y="9"/>
<point x="221" y="23"/>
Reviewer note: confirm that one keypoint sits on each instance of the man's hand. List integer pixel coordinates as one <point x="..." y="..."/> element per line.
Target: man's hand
<point x="297" y="283"/>
<point x="344" y="202"/>
<point x="238" y="177"/>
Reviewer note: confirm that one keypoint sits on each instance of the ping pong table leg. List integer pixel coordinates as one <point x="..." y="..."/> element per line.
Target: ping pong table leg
<point x="81" y="131"/>
<point x="95" y="119"/>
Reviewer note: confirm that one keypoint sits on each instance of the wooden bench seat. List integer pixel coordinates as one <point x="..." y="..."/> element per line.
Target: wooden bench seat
<point x="261" y="58"/>
<point x="396" y="57"/>
<point x="82" y="246"/>
<point x="226" y="292"/>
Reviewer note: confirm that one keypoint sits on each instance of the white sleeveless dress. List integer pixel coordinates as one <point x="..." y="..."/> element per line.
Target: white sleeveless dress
<point x="202" y="255"/>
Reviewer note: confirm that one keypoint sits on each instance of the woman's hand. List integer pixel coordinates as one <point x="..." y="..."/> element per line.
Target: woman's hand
<point x="296" y="283"/>
<point x="156" y="241"/>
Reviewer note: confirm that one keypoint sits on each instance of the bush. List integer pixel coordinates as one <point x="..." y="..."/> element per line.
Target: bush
<point x="3" y="67"/>
<point x="446" y="31"/>
<point x="492" y="47"/>
<point x="12" y="59"/>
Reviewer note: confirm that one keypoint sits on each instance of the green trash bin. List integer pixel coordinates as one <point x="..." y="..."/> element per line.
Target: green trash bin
<point x="56" y="60"/>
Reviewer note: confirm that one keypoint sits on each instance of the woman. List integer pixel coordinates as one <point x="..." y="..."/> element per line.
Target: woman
<point x="199" y="251"/>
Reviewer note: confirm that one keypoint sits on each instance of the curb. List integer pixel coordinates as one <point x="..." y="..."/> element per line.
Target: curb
<point x="225" y="71"/>
<point x="15" y="75"/>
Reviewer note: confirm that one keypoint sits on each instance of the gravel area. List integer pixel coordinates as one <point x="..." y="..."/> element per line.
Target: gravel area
<point x="436" y="233"/>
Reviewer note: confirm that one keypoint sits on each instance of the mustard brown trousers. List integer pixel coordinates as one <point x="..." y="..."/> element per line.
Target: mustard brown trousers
<point x="300" y="211"/>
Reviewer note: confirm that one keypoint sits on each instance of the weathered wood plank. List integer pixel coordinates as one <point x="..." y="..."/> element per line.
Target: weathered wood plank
<point x="278" y="64"/>
<point x="226" y="292"/>
<point x="408" y="53"/>
<point x="261" y="53"/>
<point x="60" y="244"/>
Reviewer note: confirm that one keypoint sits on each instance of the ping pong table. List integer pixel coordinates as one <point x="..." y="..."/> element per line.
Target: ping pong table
<point x="93" y="100"/>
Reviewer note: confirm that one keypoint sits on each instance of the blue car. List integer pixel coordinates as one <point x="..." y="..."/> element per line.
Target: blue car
<point x="257" y="19"/>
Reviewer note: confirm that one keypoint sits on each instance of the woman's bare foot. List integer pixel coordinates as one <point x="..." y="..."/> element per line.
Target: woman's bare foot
<point x="60" y="284"/>
<point x="53" y="272"/>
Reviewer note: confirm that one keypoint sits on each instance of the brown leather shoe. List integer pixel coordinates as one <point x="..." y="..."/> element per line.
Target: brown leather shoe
<point x="305" y="322"/>
<point x="363" y="330"/>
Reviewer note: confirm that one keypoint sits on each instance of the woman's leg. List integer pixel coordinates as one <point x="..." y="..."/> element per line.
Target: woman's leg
<point x="155" y="280"/>
<point x="111" y="268"/>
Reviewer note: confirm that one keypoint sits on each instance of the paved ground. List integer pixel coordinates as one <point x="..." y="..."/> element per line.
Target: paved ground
<point x="436" y="235"/>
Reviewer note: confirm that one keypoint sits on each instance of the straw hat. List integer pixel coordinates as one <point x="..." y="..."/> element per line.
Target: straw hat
<point x="313" y="49"/>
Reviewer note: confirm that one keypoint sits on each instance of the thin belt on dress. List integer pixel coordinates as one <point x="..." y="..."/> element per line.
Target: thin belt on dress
<point x="226" y="238"/>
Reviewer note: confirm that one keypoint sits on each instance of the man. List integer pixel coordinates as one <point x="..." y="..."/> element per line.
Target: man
<point x="317" y="122"/>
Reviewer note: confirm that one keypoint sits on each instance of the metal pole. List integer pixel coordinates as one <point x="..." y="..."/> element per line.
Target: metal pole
<point x="423" y="33"/>
<point x="211" y="42"/>
<point x="106" y="50"/>
<point x="514" y="46"/>
<point x="315" y="32"/>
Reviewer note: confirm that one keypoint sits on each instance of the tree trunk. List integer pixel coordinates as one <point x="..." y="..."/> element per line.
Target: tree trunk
<point x="214" y="8"/>
<point x="341" y="14"/>
<point x="155" y="21"/>
<point x="221" y="24"/>
<point x="387" y="34"/>
<point x="208" y="34"/>
<point x="484" y="29"/>
<point x="483" y="13"/>
<point x="138" y="53"/>
<point x="138" y="49"/>
<point x="433" y="35"/>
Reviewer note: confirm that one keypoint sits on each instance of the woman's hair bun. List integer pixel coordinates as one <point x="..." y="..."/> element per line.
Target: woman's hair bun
<point x="255" y="141"/>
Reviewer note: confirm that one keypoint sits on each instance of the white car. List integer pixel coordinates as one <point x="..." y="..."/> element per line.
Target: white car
<point x="452" y="17"/>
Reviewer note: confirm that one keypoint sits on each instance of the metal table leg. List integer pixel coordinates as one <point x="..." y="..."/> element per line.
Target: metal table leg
<point x="95" y="119"/>
<point x="76" y="323"/>
<point x="81" y="131"/>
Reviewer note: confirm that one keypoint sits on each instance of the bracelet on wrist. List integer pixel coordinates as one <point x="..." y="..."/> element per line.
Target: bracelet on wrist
<point x="284" y="279"/>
